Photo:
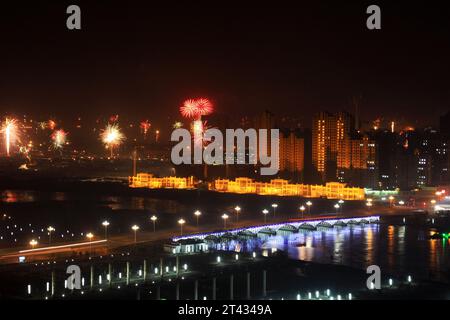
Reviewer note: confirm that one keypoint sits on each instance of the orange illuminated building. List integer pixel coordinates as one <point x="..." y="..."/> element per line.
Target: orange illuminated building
<point x="328" y="135"/>
<point x="357" y="160"/>
<point x="281" y="187"/>
<point x="357" y="153"/>
<point x="147" y="180"/>
<point x="292" y="153"/>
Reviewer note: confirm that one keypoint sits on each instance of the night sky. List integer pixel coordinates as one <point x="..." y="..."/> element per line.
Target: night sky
<point x="143" y="59"/>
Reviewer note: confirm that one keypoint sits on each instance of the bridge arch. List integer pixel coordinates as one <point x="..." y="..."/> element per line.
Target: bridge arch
<point x="324" y="224"/>
<point x="339" y="223"/>
<point x="288" y="228"/>
<point x="212" y="238"/>
<point x="267" y="231"/>
<point x="246" y="234"/>
<point x="228" y="236"/>
<point x="307" y="226"/>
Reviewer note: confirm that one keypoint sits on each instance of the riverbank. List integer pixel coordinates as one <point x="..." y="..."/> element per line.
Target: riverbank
<point x="203" y="276"/>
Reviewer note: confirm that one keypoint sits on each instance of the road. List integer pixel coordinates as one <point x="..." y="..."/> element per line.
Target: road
<point x="115" y="243"/>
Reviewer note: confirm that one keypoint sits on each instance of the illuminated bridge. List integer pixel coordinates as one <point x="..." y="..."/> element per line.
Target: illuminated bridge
<point x="272" y="229"/>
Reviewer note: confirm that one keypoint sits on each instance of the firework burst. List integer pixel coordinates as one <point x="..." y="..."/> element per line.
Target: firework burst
<point x="189" y="109"/>
<point x="199" y="127"/>
<point x="112" y="136"/>
<point x="10" y="131"/>
<point x="145" y="126"/>
<point x="177" y="125"/>
<point x="59" y="138"/>
<point x="114" y="118"/>
<point x="204" y="106"/>
<point x="195" y="108"/>
<point x="51" y="124"/>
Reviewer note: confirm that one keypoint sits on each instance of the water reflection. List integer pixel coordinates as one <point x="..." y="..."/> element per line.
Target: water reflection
<point x="397" y="250"/>
<point x="15" y="197"/>
<point x="391" y="245"/>
<point x="59" y="196"/>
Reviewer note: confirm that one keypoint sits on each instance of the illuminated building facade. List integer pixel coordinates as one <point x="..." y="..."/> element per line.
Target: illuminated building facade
<point x="422" y="159"/>
<point x="147" y="180"/>
<point x="281" y="187"/>
<point x="386" y="142"/>
<point x="292" y="153"/>
<point x="328" y="136"/>
<point x="432" y="159"/>
<point x="357" y="161"/>
<point x="265" y="120"/>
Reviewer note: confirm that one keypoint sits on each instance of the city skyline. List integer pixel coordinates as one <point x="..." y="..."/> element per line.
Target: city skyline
<point x="237" y="151"/>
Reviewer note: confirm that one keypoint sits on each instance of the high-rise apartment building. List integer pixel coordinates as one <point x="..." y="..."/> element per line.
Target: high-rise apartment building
<point x="292" y="152"/>
<point x="357" y="161"/>
<point x="328" y="135"/>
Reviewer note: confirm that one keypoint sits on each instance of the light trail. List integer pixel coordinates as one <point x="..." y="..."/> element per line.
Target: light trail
<point x="63" y="246"/>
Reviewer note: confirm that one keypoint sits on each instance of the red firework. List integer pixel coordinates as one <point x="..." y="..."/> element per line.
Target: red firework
<point x="114" y="118"/>
<point x="145" y="126"/>
<point x="195" y="108"/>
<point x="51" y="124"/>
<point x="189" y="109"/>
<point x="204" y="106"/>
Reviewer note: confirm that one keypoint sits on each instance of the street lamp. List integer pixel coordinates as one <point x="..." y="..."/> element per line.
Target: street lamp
<point x="302" y="210"/>
<point x="309" y="204"/>
<point x="135" y="228"/>
<point x="154" y="218"/>
<point x="391" y="200"/>
<point x="106" y="224"/>
<point x="265" y="212"/>
<point x="197" y="215"/>
<point x="90" y="235"/>
<point x="33" y="243"/>
<point x="238" y="209"/>
<point x="341" y="203"/>
<point x="369" y="204"/>
<point x="274" y="206"/>
<point x="224" y="217"/>
<point x="181" y="222"/>
<point x="50" y="229"/>
<point x="337" y="206"/>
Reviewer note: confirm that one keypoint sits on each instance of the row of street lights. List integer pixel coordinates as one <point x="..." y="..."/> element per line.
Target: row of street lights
<point x="338" y="205"/>
<point x="33" y="243"/>
<point x="302" y="209"/>
<point x="197" y="214"/>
